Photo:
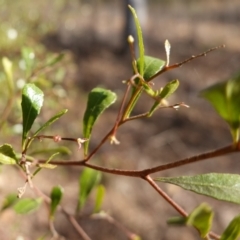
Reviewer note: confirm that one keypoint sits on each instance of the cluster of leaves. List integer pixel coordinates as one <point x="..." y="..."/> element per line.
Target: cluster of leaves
<point x="225" y="98"/>
<point x="31" y="104"/>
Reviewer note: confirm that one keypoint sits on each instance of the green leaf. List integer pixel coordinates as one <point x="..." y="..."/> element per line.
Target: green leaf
<point x="51" y="121"/>
<point x="232" y="232"/>
<point x="47" y="165"/>
<point x="7" y="67"/>
<point x="9" y="201"/>
<point x="140" y="41"/>
<point x="87" y="181"/>
<point x="62" y="150"/>
<point x="220" y="186"/>
<point x="167" y="91"/>
<point x="99" y="198"/>
<point x="48" y="123"/>
<point x="179" y="221"/>
<point x="151" y="67"/>
<point x="32" y="101"/>
<point x="56" y="196"/>
<point x="98" y="100"/>
<point x="27" y="205"/>
<point x="201" y="218"/>
<point x="225" y="98"/>
<point x="7" y="155"/>
<point x="53" y="60"/>
<point x="29" y="59"/>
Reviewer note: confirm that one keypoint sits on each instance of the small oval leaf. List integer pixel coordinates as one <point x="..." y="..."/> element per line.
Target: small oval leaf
<point x="140" y="41"/>
<point x="47" y="165"/>
<point x="98" y="100"/>
<point x="99" y="198"/>
<point x="7" y="67"/>
<point x="225" y="98"/>
<point x="32" y="101"/>
<point x="232" y="232"/>
<point x="27" y="205"/>
<point x="56" y="196"/>
<point x="89" y="178"/>
<point x="220" y="186"/>
<point x="151" y="67"/>
<point x="169" y="89"/>
<point x="54" y="59"/>
<point x="51" y="121"/>
<point x="7" y="155"/>
<point x="62" y="150"/>
<point x="177" y="221"/>
<point x="9" y="200"/>
<point x="29" y="59"/>
<point x="201" y="218"/>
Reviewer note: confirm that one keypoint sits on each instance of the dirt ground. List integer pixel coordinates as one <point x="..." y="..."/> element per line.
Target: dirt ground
<point x="92" y="34"/>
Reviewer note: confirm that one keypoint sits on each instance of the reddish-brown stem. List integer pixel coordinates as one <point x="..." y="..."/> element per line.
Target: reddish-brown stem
<point x="176" y="65"/>
<point x="99" y="145"/>
<point x="55" y="137"/>
<point x="165" y="196"/>
<point x="119" y="116"/>
<point x="130" y="235"/>
<point x="200" y="157"/>
<point x="136" y="117"/>
<point x="71" y="219"/>
<point x="214" y="236"/>
<point x="52" y="229"/>
<point x="145" y="172"/>
<point x="75" y="224"/>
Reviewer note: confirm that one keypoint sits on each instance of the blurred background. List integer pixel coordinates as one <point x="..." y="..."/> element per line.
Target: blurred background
<point x="92" y="34"/>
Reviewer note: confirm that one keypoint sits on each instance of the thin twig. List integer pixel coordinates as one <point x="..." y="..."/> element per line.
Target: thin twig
<point x="44" y="69"/>
<point x="53" y="230"/>
<point x="197" y="158"/>
<point x="142" y="115"/>
<point x="102" y="215"/>
<point x="165" y="196"/>
<point x="120" y="112"/>
<point x="98" y="146"/>
<point x="176" y="65"/>
<point x="214" y="235"/>
<point x="145" y="172"/>
<point x="76" y="225"/>
<point x="6" y="111"/>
